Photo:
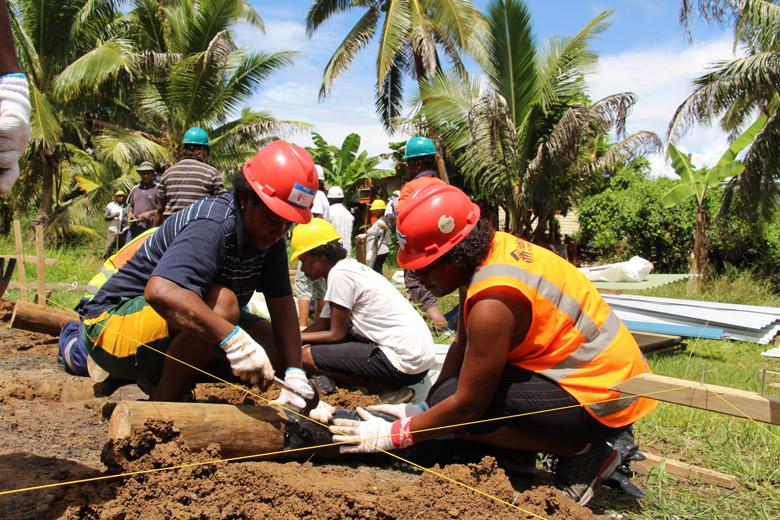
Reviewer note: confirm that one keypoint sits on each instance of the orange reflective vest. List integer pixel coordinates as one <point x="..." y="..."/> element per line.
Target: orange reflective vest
<point x="574" y="338"/>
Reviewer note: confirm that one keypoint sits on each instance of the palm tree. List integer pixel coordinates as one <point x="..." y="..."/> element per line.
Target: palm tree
<point x="696" y="184"/>
<point x="183" y="69"/>
<point x="734" y="90"/>
<point x="344" y="166"/>
<point x="50" y="36"/>
<point x="411" y="36"/>
<point x="531" y="138"/>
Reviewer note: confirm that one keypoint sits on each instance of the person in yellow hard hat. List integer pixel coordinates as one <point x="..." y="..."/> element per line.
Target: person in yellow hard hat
<point x="367" y="334"/>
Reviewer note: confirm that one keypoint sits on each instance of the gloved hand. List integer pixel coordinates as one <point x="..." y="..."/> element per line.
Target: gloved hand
<point x="247" y="358"/>
<point x="323" y="413"/>
<point x="14" y="126"/>
<point x="295" y="380"/>
<point x="400" y="411"/>
<point x="369" y="435"/>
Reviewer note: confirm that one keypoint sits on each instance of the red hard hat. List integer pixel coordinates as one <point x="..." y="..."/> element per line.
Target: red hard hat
<point x="284" y="177"/>
<point x="434" y="219"/>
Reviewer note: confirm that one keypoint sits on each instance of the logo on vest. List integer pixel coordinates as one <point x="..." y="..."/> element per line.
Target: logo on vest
<point x="446" y="224"/>
<point x="523" y="252"/>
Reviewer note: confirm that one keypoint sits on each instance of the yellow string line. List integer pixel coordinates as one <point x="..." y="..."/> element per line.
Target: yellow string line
<point x="746" y="416"/>
<point x="247" y="391"/>
<point x="319" y="446"/>
<point x="471" y="488"/>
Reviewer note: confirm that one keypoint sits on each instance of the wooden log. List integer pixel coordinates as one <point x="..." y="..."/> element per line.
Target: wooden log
<point x="721" y="399"/>
<point x="687" y="471"/>
<point x="20" y="261"/>
<point x="38" y="318"/>
<point x="31" y="259"/>
<point x="238" y="429"/>
<point x="41" y="281"/>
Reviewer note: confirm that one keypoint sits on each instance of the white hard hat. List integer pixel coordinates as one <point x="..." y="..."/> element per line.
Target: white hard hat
<point x="396" y="193"/>
<point x="334" y="192"/>
<point x="320" y="172"/>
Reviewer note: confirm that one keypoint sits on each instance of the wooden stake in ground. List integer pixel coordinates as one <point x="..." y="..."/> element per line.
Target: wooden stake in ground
<point x="20" y="260"/>
<point x="238" y="429"/>
<point x="721" y="399"/>
<point x="688" y="471"/>
<point x="41" y="263"/>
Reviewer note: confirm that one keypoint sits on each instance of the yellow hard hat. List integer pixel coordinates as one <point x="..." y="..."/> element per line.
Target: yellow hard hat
<point x="306" y="237"/>
<point x="377" y="205"/>
<point x="118" y="193"/>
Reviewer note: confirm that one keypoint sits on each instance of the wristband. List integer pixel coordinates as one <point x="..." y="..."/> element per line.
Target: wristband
<point x="13" y="75"/>
<point x="227" y="338"/>
<point x="401" y="433"/>
<point x="293" y="368"/>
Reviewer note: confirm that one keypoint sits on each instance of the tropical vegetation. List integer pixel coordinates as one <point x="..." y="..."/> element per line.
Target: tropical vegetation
<point x="696" y="184"/>
<point x="145" y="77"/>
<point x="413" y="37"/>
<point x="344" y="166"/>
<point x="532" y="139"/>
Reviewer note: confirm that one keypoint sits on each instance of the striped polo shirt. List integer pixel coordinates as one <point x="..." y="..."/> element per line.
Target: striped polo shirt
<point x="188" y="181"/>
<point x="201" y="245"/>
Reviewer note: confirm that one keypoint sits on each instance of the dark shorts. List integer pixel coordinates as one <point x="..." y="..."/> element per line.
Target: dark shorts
<point x="361" y="359"/>
<point x="521" y="391"/>
<point x="417" y="292"/>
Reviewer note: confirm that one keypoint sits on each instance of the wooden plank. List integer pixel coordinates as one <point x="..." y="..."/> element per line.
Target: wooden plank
<point x="41" y="282"/>
<point x="721" y="399"/>
<point x="20" y="260"/>
<point x="650" y="341"/>
<point x="687" y="471"/>
<point x="31" y="259"/>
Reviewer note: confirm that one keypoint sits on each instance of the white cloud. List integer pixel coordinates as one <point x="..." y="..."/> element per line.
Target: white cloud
<point x="661" y="78"/>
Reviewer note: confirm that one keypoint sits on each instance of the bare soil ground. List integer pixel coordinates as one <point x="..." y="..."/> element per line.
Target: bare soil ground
<point x="52" y="429"/>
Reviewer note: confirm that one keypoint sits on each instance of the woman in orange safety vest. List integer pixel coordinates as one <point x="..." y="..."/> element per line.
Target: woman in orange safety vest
<point x="536" y="345"/>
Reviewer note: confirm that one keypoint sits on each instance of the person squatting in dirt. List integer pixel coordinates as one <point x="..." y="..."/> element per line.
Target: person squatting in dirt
<point x="533" y="335"/>
<point x="368" y="334"/>
<point x="185" y="290"/>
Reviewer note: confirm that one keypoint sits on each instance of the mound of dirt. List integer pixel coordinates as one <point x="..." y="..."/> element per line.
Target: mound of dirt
<point x="224" y="393"/>
<point x="294" y="490"/>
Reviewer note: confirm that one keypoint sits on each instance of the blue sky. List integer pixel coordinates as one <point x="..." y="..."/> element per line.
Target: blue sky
<point x="644" y="51"/>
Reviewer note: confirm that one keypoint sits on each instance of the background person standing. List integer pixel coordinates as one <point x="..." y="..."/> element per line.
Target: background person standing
<point x="190" y="179"/>
<point x="116" y="215"/>
<point x="142" y="201"/>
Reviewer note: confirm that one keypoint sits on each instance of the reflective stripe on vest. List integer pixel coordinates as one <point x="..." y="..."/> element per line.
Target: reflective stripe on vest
<point x="573" y="337"/>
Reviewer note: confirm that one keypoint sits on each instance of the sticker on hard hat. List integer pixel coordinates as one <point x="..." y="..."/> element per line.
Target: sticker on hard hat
<point x="446" y="224"/>
<point x="301" y="196"/>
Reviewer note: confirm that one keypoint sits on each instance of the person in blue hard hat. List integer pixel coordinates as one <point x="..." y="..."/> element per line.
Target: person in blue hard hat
<point x="190" y="179"/>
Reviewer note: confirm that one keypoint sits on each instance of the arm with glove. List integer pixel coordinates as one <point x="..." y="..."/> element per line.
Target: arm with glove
<point x="14" y="107"/>
<point x="483" y="363"/>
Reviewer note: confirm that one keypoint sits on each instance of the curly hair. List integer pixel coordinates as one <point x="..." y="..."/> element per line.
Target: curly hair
<point x="333" y="251"/>
<point x="470" y="252"/>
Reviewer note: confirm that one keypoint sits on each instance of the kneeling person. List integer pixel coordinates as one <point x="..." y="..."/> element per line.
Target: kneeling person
<point x="368" y="334"/>
<point x="183" y="291"/>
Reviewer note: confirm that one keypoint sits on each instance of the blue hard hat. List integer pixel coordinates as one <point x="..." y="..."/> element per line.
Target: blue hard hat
<point x="197" y="136"/>
<point x="419" y="146"/>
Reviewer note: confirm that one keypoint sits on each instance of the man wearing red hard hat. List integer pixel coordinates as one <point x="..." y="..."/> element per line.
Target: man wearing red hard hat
<point x="184" y="291"/>
<point x="536" y="351"/>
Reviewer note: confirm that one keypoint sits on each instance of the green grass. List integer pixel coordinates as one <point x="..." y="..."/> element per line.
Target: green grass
<point x="77" y="265"/>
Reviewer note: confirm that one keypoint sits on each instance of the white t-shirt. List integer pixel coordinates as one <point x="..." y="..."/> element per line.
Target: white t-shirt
<point x="342" y="220"/>
<point x="381" y="315"/>
<point x="118" y="215"/>
<point x="321" y="206"/>
<point x="380" y="231"/>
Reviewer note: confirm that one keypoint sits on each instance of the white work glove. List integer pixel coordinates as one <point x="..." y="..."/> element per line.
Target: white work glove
<point x="369" y="435"/>
<point x="399" y="411"/>
<point x="295" y="380"/>
<point x="248" y="360"/>
<point x="14" y="126"/>
<point x="323" y="413"/>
